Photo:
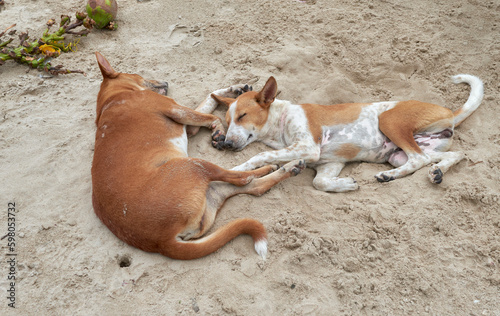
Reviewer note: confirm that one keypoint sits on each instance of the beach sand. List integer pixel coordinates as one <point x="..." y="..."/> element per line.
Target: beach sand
<point x="405" y="247"/>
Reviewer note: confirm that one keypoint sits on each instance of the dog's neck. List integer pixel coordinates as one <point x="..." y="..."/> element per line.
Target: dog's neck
<point x="274" y="128"/>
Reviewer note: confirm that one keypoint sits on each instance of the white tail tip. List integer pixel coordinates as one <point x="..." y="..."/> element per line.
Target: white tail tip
<point x="471" y="80"/>
<point x="457" y="79"/>
<point x="261" y="248"/>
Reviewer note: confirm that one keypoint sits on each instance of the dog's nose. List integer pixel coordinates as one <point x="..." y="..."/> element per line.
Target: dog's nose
<point x="229" y="144"/>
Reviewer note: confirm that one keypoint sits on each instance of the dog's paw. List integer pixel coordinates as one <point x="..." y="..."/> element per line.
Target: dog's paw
<point x="218" y="139"/>
<point x="348" y="184"/>
<point x="237" y="90"/>
<point x="381" y="177"/>
<point x="295" y="166"/>
<point x="272" y="168"/>
<point x="435" y="175"/>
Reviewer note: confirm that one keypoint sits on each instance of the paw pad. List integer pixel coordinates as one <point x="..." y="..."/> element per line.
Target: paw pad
<point x="218" y="139"/>
<point x="384" y="178"/>
<point x="436" y="176"/>
<point x="244" y="89"/>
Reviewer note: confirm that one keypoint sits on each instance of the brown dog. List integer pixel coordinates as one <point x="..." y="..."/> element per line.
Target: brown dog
<point x="147" y="190"/>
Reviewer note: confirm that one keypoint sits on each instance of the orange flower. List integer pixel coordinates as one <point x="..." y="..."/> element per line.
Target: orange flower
<point x="50" y="51"/>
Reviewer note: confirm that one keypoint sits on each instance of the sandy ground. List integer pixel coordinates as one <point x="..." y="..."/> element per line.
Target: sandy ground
<point x="401" y="248"/>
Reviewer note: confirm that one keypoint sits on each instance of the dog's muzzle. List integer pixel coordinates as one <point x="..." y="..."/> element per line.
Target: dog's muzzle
<point x="228" y="144"/>
<point x="160" y="87"/>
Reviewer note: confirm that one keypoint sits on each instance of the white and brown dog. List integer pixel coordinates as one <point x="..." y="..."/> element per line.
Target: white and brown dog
<point x="408" y="134"/>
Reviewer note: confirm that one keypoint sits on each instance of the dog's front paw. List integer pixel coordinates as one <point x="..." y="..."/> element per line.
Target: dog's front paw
<point x="349" y="184"/>
<point x="435" y="175"/>
<point x="218" y="139"/>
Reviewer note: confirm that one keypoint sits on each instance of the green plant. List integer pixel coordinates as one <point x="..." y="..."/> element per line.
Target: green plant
<point x="40" y="53"/>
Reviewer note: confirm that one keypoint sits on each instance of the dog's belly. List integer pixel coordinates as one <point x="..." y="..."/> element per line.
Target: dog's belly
<point x="348" y="145"/>
<point x="360" y="140"/>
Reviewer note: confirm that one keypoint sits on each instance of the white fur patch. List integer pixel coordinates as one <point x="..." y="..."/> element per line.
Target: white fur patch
<point x="261" y="248"/>
<point x="181" y="142"/>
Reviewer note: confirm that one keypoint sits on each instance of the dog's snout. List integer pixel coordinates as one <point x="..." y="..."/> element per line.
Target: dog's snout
<point x="161" y="84"/>
<point x="161" y="87"/>
<point x="232" y="144"/>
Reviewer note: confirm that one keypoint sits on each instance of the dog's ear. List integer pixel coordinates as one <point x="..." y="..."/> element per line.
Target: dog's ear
<point x="222" y="100"/>
<point x="268" y="93"/>
<point x="106" y="69"/>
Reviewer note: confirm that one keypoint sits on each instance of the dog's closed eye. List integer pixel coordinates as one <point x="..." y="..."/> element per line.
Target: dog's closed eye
<point x="241" y="116"/>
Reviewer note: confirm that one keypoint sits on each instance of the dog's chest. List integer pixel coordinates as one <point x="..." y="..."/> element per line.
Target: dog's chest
<point x="358" y="140"/>
<point x="181" y="142"/>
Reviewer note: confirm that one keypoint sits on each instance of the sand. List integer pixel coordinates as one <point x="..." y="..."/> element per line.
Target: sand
<point x="406" y="247"/>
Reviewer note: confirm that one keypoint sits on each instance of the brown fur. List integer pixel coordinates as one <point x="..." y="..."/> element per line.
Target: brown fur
<point x="410" y="117"/>
<point x="146" y="190"/>
<point x="321" y="115"/>
<point x="347" y="151"/>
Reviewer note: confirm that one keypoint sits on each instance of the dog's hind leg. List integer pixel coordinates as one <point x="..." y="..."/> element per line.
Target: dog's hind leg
<point x="238" y="178"/>
<point x="445" y="160"/>
<point x="436" y="145"/>
<point x="402" y="122"/>
<point x="327" y="179"/>
<point x="219" y="192"/>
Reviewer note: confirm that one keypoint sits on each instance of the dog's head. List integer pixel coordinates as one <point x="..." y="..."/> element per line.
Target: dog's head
<point x="128" y="81"/>
<point x="115" y="83"/>
<point x="247" y="114"/>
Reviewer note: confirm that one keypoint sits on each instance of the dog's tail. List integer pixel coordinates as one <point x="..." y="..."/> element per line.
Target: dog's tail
<point x="193" y="249"/>
<point x="474" y="100"/>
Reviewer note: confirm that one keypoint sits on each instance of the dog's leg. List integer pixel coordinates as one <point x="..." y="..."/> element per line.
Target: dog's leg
<point x="435" y="145"/>
<point x="415" y="161"/>
<point x="240" y="178"/>
<point x="402" y="135"/>
<point x="260" y="186"/>
<point x="310" y="154"/>
<point x="399" y="124"/>
<point x="186" y="116"/>
<point x="219" y="192"/>
<point x="444" y="162"/>
<point x="209" y="105"/>
<point x="213" y="172"/>
<point x="199" y="211"/>
<point x="326" y="178"/>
